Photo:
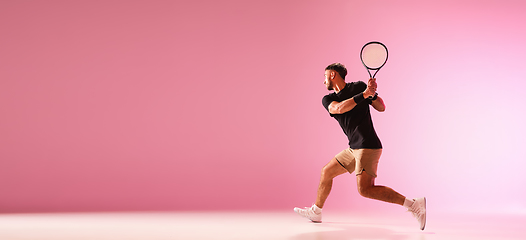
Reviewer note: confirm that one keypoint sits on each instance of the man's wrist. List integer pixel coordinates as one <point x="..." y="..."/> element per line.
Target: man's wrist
<point x="375" y="96"/>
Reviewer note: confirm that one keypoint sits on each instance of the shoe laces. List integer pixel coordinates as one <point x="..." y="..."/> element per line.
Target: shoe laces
<point x="416" y="211"/>
<point x="310" y="211"/>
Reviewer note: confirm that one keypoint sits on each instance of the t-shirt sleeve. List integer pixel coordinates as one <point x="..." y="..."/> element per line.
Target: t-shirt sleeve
<point x="326" y="101"/>
<point x="360" y="86"/>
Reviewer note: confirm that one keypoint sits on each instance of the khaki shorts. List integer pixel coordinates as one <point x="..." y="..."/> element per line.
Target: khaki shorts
<point x="360" y="160"/>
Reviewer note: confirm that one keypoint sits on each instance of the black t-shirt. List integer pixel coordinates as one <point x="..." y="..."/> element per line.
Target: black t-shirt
<point x="357" y="123"/>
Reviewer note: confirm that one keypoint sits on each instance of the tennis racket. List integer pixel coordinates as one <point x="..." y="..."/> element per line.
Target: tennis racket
<point x="373" y="56"/>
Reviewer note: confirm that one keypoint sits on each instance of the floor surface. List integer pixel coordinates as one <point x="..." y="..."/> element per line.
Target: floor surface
<point x="255" y="225"/>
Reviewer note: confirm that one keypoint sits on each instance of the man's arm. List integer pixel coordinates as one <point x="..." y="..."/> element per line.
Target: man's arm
<point x="349" y="104"/>
<point x="342" y="107"/>
<point x="378" y="104"/>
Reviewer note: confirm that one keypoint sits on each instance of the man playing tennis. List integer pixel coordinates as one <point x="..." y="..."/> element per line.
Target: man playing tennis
<point x="349" y="105"/>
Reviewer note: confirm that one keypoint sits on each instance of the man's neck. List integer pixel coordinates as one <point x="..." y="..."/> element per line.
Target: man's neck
<point x="339" y="86"/>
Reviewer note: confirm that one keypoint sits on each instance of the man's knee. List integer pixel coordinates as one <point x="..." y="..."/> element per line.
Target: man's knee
<point x="331" y="170"/>
<point x="365" y="184"/>
<point x="326" y="173"/>
<point x="364" y="191"/>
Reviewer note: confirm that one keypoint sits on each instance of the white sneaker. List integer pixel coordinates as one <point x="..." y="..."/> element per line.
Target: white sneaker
<point x="309" y="213"/>
<point x="418" y="209"/>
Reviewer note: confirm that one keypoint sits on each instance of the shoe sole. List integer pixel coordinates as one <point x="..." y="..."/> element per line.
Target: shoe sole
<point x="425" y="215"/>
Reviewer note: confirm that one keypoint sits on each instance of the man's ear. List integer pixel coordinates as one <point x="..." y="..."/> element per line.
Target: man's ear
<point x="333" y="74"/>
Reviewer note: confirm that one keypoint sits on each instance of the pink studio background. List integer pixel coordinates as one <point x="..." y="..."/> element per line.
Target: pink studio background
<point x="216" y="105"/>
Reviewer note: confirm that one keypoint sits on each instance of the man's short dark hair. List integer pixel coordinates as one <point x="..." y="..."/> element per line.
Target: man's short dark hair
<point x="339" y="68"/>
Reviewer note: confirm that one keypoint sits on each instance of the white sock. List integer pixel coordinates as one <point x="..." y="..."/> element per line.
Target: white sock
<point x="316" y="209"/>
<point x="408" y="203"/>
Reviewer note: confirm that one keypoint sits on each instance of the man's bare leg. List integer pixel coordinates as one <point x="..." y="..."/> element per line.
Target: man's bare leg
<point x="367" y="189"/>
<point x="328" y="173"/>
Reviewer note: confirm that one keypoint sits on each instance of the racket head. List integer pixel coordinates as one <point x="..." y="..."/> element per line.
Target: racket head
<point x="374" y="55"/>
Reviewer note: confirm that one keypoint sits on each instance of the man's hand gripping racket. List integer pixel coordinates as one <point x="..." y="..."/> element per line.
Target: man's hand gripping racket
<point x="370" y="91"/>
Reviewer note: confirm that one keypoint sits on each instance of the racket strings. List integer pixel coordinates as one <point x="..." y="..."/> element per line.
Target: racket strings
<point x="374" y="55"/>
